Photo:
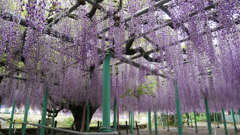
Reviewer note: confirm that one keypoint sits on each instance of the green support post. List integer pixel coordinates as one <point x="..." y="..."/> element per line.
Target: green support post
<point x="163" y="119"/>
<point x="238" y="116"/>
<point x="224" y="121"/>
<point x="11" y="120"/>
<point x="88" y="115"/>
<point x="155" y="117"/>
<point x="214" y="117"/>
<point x="167" y="122"/>
<point x="132" y="123"/>
<point x="149" y="121"/>
<point x="194" y="113"/>
<point x="115" y="114"/>
<point x="200" y="117"/>
<point x="235" y="127"/>
<point x="191" y="119"/>
<point x="106" y="94"/>
<point x="208" y="117"/>
<point x="25" y="118"/>
<point x="52" y="132"/>
<point x="44" y="111"/>
<point x="133" y="119"/>
<point x="179" y="114"/>
<point x="217" y="120"/>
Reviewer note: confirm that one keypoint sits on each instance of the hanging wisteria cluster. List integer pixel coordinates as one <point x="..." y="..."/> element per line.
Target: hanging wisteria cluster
<point x="194" y="44"/>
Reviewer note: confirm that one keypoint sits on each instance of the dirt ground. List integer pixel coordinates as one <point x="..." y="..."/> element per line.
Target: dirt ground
<point x="202" y="130"/>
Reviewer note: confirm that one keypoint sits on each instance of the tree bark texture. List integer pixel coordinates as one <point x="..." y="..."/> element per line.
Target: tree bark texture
<point x="77" y="112"/>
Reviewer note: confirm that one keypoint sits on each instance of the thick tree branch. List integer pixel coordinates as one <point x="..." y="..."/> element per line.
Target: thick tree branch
<point x="135" y="64"/>
<point x="95" y="6"/>
<point x="130" y="51"/>
<point x="145" y="10"/>
<point x="55" y="113"/>
<point x="138" y="13"/>
<point x="66" y="12"/>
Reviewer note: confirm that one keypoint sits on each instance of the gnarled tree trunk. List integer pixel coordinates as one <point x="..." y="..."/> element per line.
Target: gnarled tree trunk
<point x="77" y="112"/>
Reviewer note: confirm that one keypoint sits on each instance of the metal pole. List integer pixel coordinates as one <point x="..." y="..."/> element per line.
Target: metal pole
<point x="106" y="93"/>
<point x="191" y="119"/>
<point x="167" y="122"/>
<point x="126" y="127"/>
<point x="115" y="114"/>
<point x="52" y="132"/>
<point x="10" y="126"/>
<point x="194" y="113"/>
<point x="132" y="123"/>
<point x="163" y="121"/>
<point x="179" y="115"/>
<point x="88" y="115"/>
<point x="224" y="121"/>
<point x="238" y="116"/>
<point x="217" y="120"/>
<point x="133" y="119"/>
<point x="117" y="118"/>
<point x="208" y="116"/>
<point x="155" y="117"/>
<point x="44" y="110"/>
<point x="235" y="127"/>
<point x="149" y="121"/>
<point x="25" y="118"/>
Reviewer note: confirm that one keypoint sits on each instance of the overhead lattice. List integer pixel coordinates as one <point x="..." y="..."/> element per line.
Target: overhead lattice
<point x="193" y="43"/>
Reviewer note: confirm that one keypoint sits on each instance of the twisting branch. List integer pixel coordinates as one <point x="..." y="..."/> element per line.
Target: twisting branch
<point x="94" y="8"/>
<point x="55" y="113"/>
<point x="130" y="51"/>
<point x="66" y="12"/>
<point x="135" y="64"/>
<point x="138" y="13"/>
<point x="115" y="18"/>
<point x="119" y="7"/>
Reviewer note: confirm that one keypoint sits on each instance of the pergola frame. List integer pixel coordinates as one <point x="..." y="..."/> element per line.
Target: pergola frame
<point x="49" y="31"/>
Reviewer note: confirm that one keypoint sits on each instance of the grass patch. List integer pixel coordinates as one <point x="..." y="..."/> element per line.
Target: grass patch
<point x="66" y="123"/>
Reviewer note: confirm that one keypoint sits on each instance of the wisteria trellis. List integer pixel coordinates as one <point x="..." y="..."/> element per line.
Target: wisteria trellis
<point x="194" y="43"/>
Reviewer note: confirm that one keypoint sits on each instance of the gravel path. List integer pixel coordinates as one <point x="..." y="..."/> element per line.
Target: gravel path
<point x="202" y="130"/>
